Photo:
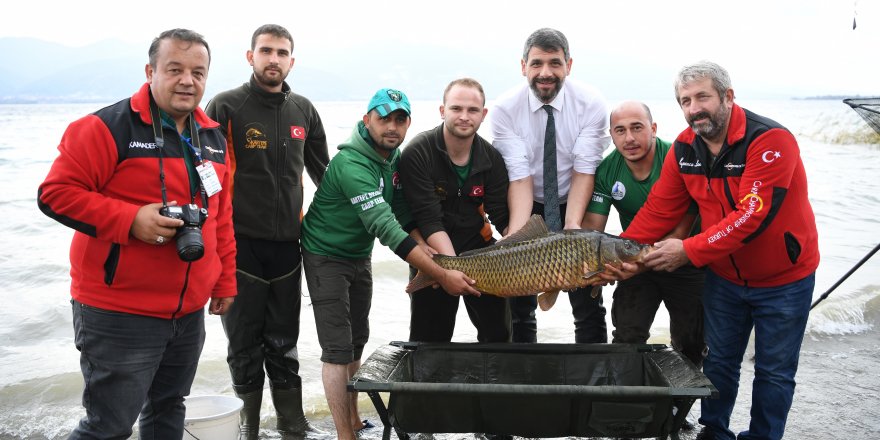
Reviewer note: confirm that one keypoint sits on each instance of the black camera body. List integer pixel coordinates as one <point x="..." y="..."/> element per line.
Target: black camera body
<point x="190" y="245"/>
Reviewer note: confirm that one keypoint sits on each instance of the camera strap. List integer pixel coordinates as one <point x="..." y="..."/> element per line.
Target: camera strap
<point x="159" y="136"/>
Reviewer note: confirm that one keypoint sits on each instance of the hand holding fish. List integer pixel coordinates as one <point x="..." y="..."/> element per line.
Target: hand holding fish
<point x="620" y="272"/>
<point x="455" y="282"/>
<point x="667" y="255"/>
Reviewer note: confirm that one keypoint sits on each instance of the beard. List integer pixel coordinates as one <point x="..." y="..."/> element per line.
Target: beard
<point x="270" y="81"/>
<point x="546" y="95"/>
<point x="714" y="125"/>
<point x="386" y="143"/>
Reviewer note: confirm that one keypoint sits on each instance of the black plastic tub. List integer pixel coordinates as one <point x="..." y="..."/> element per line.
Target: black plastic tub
<point x="532" y="390"/>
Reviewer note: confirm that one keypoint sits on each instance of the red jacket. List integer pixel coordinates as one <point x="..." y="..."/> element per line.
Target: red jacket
<point x="758" y="226"/>
<point x="106" y="170"/>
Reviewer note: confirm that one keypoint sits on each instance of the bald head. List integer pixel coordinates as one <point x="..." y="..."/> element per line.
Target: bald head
<point x="633" y="131"/>
<point x="632" y="108"/>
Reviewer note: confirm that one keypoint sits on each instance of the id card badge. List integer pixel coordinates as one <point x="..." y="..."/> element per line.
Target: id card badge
<point x="209" y="178"/>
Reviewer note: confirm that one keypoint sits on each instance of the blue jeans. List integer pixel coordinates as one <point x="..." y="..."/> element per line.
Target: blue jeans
<point x="779" y="318"/>
<point x="131" y="365"/>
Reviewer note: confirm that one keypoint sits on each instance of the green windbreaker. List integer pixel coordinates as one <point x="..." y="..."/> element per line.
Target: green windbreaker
<point x="359" y="199"/>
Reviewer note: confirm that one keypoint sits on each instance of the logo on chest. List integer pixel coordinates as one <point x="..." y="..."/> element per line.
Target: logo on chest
<point x="255" y="139"/>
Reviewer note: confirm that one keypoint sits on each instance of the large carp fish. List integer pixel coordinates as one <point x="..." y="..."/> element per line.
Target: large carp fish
<point x="537" y="261"/>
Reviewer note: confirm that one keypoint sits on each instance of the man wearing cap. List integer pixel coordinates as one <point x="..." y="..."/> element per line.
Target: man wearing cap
<point x="359" y="200"/>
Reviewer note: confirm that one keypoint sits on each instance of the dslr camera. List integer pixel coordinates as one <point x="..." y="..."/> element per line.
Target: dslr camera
<point x="190" y="245"/>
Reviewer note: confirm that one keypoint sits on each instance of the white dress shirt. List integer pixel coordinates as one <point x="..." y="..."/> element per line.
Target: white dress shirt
<point x="519" y="122"/>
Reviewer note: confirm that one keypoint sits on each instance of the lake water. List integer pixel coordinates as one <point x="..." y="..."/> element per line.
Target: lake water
<point x="838" y="384"/>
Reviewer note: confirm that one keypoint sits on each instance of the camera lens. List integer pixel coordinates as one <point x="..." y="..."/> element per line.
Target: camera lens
<point x="190" y="246"/>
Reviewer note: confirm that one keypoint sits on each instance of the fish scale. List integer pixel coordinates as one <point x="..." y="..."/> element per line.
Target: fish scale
<point x="556" y="262"/>
<point x="536" y="260"/>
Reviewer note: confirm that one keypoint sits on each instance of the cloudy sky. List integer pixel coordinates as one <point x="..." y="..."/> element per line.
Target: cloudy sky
<point x="797" y="47"/>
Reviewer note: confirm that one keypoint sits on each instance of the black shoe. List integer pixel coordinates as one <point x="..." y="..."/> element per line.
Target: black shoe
<point x="705" y="434"/>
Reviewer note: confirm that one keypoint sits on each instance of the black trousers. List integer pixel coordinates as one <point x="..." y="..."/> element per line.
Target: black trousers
<point x="433" y="312"/>
<point x="637" y="299"/>
<point x="588" y="312"/>
<point x="262" y="325"/>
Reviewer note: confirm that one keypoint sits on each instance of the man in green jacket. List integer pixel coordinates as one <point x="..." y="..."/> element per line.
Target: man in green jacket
<point x="360" y="199"/>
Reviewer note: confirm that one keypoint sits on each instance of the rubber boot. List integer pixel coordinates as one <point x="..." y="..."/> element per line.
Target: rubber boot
<point x="292" y="423"/>
<point x="249" y="417"/>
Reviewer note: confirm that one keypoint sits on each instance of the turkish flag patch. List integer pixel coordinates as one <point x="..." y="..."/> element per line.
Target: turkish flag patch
<point x="477" y="191"/>
<point x="297" y="132"/>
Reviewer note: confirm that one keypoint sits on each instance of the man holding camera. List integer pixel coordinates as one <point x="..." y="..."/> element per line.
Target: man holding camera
<point x="142" y="267"/>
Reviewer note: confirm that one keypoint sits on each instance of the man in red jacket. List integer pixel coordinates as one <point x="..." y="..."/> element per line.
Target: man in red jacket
<point x="142" y="267"/>
<point x="758" y="240"/>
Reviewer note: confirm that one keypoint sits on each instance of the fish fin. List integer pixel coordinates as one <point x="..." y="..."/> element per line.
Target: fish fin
<point x="592" y="274"/>
<point x="420" y="281"/>
<point x="547" y="299"/>
<point x="535" y="228"/>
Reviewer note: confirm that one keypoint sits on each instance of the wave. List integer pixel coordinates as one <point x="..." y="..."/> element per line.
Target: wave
<point x="847" y="312"/>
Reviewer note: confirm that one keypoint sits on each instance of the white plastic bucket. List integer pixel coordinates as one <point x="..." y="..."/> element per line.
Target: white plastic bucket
<point x="212" y="417"/>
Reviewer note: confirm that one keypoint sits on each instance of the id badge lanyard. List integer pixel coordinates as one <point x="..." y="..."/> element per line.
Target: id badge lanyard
<point x="208" y="180"/>
<point x="210" y="177"/>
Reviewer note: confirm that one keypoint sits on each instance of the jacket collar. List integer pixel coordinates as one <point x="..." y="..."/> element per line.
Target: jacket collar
<point x="269" y="96"/>
<point x="736" y="130"/>
<point x="357" y="143"/>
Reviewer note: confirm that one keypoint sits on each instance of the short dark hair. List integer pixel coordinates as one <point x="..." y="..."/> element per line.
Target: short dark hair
<point x="180" y="35"/>
<point x="274" y="30"/>
<point x="465" y="82"/>
<point x="546" y="39"/>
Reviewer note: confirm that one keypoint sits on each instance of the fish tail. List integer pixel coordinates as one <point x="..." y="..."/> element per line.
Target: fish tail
<point x="420" y="281"/>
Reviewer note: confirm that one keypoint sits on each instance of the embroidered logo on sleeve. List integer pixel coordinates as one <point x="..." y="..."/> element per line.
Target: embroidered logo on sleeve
<point x="770" y="156"/>
<point x="618" y="191"/>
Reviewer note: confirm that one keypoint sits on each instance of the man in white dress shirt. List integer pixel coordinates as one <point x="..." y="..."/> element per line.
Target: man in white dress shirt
<point x="519" y="125"/>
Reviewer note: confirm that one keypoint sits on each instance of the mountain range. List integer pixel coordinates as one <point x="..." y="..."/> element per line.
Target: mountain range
<point x="110" y="70"/>
<point x="38" y="71"/>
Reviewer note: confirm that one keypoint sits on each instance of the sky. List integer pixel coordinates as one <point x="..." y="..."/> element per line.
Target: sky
<point x="798" y="47"/>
